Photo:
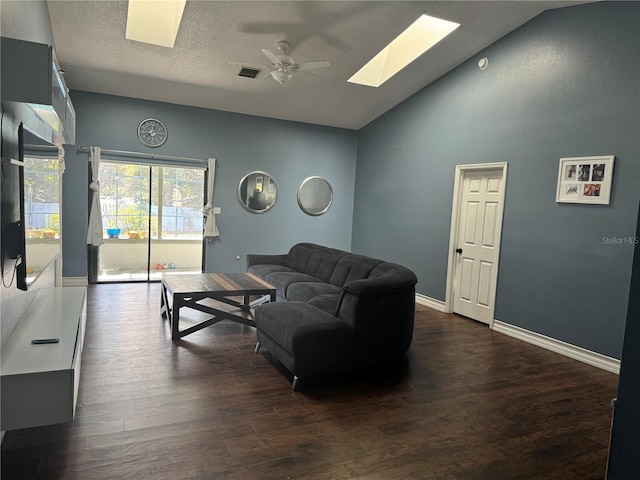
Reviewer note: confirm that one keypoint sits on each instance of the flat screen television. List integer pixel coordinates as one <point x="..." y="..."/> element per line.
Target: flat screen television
<point x="14" y="267"/>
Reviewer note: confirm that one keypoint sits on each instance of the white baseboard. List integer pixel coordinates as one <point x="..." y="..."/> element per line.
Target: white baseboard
<point x="429" y="302"/>
<point x="577" y="353"/>
<point x="75" y="282"/>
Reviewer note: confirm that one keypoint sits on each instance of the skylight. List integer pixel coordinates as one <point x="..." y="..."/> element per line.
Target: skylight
<point x="423" y="34"/>
<point x="154" y="21"/>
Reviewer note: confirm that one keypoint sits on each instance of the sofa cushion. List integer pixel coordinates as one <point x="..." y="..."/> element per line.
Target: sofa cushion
<point x="319" y="342"/>
<point x="326" y="302"/>
<point x="299" y="256"/>
<point x="323" y="262"/>
<point x="353" y="267"/>
<point x="305" y="291"/>
<point x="263" y="270"/>
<point x="282" y="280"/>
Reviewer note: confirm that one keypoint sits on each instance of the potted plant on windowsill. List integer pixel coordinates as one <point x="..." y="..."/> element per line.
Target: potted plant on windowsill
<point x="113" y="232"/>
<point x="48" y="233"/>
<point x="32" y="233"/>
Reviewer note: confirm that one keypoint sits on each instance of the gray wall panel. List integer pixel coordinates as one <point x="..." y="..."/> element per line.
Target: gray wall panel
<point x="288" y="151"/>
<point x="565" y="84"/>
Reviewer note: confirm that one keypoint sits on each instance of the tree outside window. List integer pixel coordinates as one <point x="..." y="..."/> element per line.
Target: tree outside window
<point x="42" y="197"/>
<point x="173" y="211"/>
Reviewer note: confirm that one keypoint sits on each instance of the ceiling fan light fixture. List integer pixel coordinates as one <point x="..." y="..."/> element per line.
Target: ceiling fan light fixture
<point x="419" y="37"/>
<point x="154" y="21"/>
<point x="281" y="75"/>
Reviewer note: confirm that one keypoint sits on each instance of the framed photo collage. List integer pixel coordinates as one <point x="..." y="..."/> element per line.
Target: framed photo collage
<point x="585" y="180"/>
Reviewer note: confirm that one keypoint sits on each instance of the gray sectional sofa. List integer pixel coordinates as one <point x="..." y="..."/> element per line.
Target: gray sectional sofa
<point x="335" y="310"/>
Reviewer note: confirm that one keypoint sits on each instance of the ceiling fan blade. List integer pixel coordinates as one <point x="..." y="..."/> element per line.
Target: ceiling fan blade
<point x="266" y="73"/>
<point x="311" y="65"/>
<point x="271" y="56"/>
<point x="309" y="73"/>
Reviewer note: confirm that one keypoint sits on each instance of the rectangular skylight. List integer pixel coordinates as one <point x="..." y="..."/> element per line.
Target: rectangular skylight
<point x="423" y="34"/>
<point x="154" y="21"/>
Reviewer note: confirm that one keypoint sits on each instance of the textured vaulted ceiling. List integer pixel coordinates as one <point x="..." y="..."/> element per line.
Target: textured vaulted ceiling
<point x="91" y="46"/>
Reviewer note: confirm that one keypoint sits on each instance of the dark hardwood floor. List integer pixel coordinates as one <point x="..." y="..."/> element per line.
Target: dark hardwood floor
<point x="465" y="404"/>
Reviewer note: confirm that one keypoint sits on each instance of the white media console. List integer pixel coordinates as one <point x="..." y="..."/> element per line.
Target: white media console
<point x="40" y="381"/>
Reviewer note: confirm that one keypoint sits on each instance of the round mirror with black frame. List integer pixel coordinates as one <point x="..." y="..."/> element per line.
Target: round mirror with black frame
<point x="315" y="195"/>
<point x="257" y="192"/>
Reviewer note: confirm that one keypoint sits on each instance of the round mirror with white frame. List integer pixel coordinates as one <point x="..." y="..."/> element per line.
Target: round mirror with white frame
<point x="315" y="195"/>
<point x="257" y="192"/>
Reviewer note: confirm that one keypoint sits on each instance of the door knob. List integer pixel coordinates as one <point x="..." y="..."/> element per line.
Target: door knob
<point x="458" y="250"/>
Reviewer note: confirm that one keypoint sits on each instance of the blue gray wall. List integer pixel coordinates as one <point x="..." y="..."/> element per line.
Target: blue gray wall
<point x="288" y="151"/>
<point x="565" y="84"/>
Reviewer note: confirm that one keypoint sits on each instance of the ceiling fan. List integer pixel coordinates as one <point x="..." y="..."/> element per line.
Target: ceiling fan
<point x="283" y="68"/>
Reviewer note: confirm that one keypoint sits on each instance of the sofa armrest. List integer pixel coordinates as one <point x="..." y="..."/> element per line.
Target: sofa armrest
<point x="359" y="299"/>
<point x="256" y="259"/>
<point x="381" y="311"/>
<point x="386" y="285"/>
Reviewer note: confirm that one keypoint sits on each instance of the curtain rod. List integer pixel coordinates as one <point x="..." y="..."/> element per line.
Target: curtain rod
<point x="151" y="156"/>
<point x="41" y="147"/>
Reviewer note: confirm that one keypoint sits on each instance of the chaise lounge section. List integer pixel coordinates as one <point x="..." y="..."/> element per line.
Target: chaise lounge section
<point x="334" y="310"/>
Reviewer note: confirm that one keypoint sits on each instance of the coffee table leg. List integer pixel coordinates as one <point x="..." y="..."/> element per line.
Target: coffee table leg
<point x="175" y="317"/>
<point x="165" y="310"/>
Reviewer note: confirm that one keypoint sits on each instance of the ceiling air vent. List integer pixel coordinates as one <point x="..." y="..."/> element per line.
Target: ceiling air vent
<point x="248" y="72"/>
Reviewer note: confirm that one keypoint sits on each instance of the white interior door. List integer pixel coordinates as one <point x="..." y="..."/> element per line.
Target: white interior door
<point x="477" y="243"/>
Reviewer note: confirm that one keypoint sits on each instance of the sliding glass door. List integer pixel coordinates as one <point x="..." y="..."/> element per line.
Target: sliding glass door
<point x="124" y="198"/>
<point x="177" y="198"/>
<point x="152" y="218"/>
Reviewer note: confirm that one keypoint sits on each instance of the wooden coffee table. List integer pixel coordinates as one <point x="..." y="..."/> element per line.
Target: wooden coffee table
<point x="234" y="289"/>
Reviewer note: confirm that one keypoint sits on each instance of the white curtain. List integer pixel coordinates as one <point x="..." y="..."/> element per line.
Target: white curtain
<point x="94" y="235"/>
<point x="210" y="227"/>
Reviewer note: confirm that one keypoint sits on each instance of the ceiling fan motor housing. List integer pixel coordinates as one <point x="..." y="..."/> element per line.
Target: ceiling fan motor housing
<point x="283" y="46"/>
<point x="281" y="75"/>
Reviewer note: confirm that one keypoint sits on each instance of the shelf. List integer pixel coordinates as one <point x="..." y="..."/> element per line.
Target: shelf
<point x="40" y="382"/>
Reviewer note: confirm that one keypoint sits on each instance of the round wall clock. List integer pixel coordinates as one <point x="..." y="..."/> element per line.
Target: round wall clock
<point x="152" y="132"/>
